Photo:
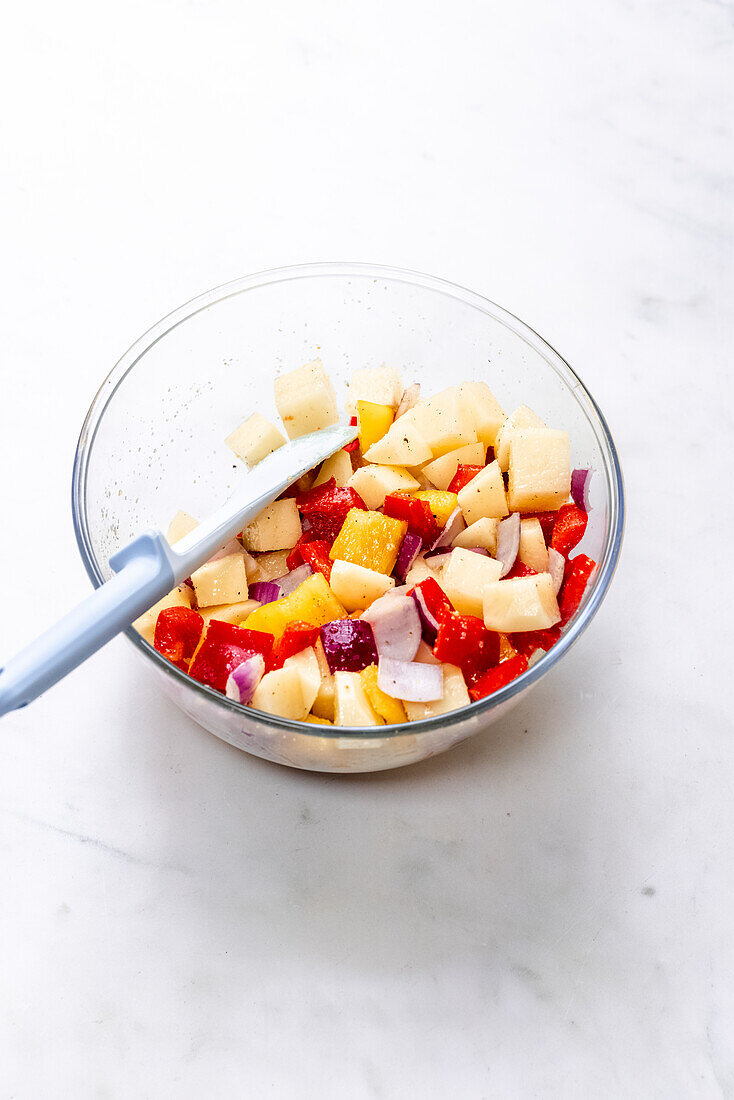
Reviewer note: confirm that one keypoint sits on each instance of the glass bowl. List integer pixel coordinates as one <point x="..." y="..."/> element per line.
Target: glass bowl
<point x="153" y="442"/>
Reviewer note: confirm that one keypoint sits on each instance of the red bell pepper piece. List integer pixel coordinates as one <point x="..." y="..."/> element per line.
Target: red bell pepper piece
<point x="224" y="647"/>
<point x="326" y="508"/>
<point x="458" y="636"/>
<point x="295" y="558"/>
<point x="578" y="571"/>
<point x="527" y="641"/>
<point x="485" y="655"/>
<point x="296" y="636"/>
<point x="178" y="632"/>
<point x="415" y="512"/>
<point x="435" y="599"/>
<point x="464" y="474"/>
<point x="497" y="677"/>
<point x="568" y="530"/>
<point x="520" y="569"/>
<point x="316" y="554"/>
<point x="349" y="447"/>
<point x="546" y="520"/>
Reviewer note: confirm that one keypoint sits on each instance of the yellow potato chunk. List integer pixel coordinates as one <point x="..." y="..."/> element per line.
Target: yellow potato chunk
<point x="523" y="603"/>
<point x="351" y="705"/>
<point x="356" y="587"/>
<point x="305" y="399"/>
<point x="484" y="496"/>
<point x="489" y="415"/>
<point x="339" y="466"/>
<point x="403" y="445"/>
<point x="268" y="566"/>
<point x="465" y="578"/>
<point x="533" y="551"/>
<point x="540" y="469"/>
<point x="222" y="580"/>
<point x="281" y="692"/>
<point x="312" y="602"/>
<point x="254" y="439"/>
<point x="446" y="422"/>
<point x="373" y="421"/>
<point x="523" y="417"/>
<point x="373" y="483"/>
<point x="380" y="384"/>
<point x="181" y="525"/>
<point x="455" y="695"/>
<point x="307" y="666"/>
<point x="179" y="597"/>
<point x="441" y="471"/>
<point x="389" y="709"/>
<point x="234" y="613"/>
<point x="277" y="527"/>
<point x="482" y="533"/>
<point x="323" y="705"/>
<point x="369" y="539"/>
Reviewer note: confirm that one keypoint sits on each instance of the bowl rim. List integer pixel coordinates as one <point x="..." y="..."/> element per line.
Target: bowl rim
<point x="592" y="599"/>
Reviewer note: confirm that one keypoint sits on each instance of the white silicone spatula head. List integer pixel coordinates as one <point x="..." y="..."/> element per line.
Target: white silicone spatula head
<point x="148" y="568"/>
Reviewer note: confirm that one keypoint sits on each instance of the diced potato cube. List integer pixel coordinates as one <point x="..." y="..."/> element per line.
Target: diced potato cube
<point x="181" y="525"/>
<point x="222" y="580"/>
<point x="339" y="466"/>
<point x="357" y="587"/>
<point x="369" y="539"/>
<point x="402" y="446"/>
<point x="277" y="527"/>
<point x="254" y="439"/>
<point x="381" y="384"/>
<point x="234" y="613"/>
<point x="374" y="422"/>
<point x="484" y="496"/>
<point x="179" y="597"/>
<point x="373" y="483"/>
<point x="540" y="469"/>
<point x="445" y="422"/>
<point x="305" y="399"/>
<point x="523" y="603"/>
<point x="268" y="567"/>
<point x="533" y="551"/>
<point x="307" y="666"/>
<point x="387" y="708"/>
<point x="281" y="692"/>
<point x="323" y="705"/>
<point x="419" y="571"/>
<point x="441" y="471"/>
<point x="351" y="705"/>
<point x="441" y="503"/>
<point x="312" y="602"/>
<point x="465" y="578"/>
<point x="455" y="695"/>
<point x="489" y="415"/>
<point x="481" y="533"/>
<point x="523" y="417"/>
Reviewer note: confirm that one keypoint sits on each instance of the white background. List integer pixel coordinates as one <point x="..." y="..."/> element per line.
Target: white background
<point x="546" y="911"/>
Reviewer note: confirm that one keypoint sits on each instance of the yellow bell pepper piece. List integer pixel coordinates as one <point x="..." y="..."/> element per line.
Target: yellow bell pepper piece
<point x="369" y="539"/>
<point x="374" y="421"/>
<point x="312" y="602"/>
<point x="441" y="503"/>
<point x="392" y="710"/>
<point x="318" y="721"/>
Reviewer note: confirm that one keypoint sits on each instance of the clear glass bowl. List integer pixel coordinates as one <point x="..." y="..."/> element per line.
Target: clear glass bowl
<point x="153" y="442"/>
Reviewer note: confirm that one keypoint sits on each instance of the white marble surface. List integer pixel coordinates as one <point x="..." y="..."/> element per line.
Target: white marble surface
<point x="546" y="911"/>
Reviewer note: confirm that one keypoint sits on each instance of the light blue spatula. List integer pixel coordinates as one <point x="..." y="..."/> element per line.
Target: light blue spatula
<point x="148" y="568"/>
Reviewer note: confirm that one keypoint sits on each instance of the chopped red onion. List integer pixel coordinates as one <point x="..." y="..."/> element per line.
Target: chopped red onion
<point x="428" y="621"/>
<point x="455" y="524"/>
<point x="396" y="626"/>
<point x="290" y="581"/>
<point x="478" y="550"/>
<point x="243" y="680"/>
<point x="265" y="591"/>
<point x="556" y="568"/>
<point x="580" y="481"/>
<point x="508" y="542"/>
<point x="349" y="645"/>
<point x="436" y="559"/>
<point x="409" y="680"/>
<point x="409" y="551"/>
<point x="409" y="399"/>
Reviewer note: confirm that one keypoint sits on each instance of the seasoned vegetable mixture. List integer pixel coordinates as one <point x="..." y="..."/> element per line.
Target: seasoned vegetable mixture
<point x="423" y="566"/>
